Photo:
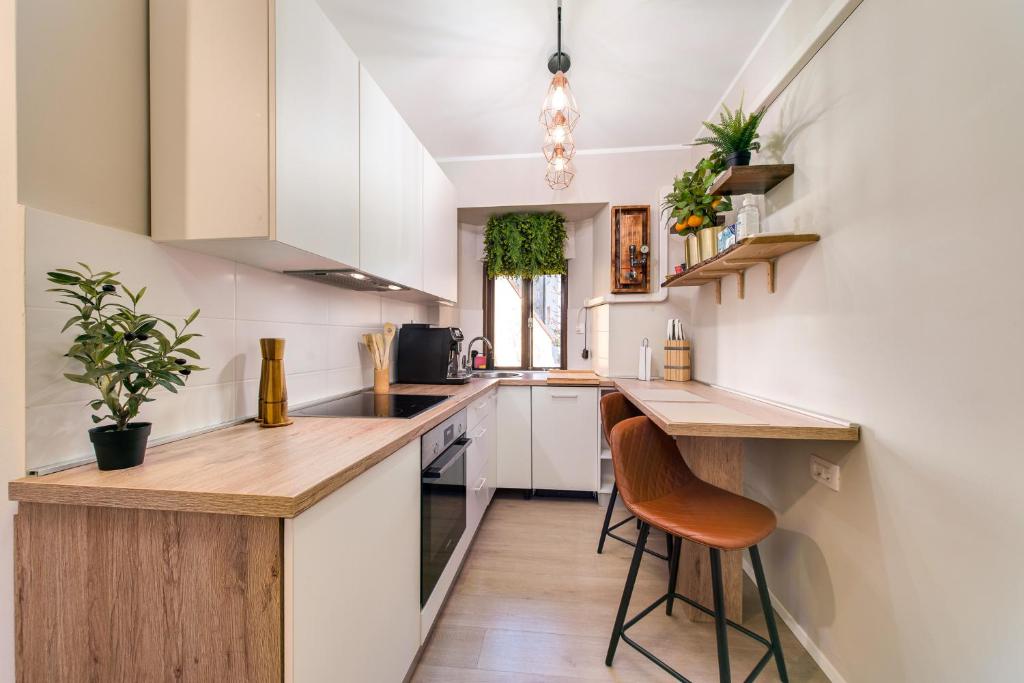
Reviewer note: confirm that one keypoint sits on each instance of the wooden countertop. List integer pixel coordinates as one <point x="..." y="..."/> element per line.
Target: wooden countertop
<point x="246" y="470"/>
<point x="696" y="409"/>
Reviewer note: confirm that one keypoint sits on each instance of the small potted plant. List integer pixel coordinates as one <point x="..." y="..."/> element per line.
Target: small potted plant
<point x="694" y="210"/>
<point x="735" y="136"/>
<point x="124" y="354"/>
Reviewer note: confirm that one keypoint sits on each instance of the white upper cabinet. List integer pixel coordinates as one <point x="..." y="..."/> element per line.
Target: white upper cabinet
<point x="440" y="233"/>
<point x="317" y="91"/>
<point x="391" y="190"/>
<point x="255" y="132"/>
<point x="271" y="145"/>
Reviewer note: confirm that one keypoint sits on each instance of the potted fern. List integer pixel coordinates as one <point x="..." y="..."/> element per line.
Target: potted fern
<point x="735" y="136"/>
<point x="124" y="354"/>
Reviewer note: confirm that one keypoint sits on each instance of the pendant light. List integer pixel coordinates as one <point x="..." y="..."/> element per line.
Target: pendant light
<point x="559" y="116"/>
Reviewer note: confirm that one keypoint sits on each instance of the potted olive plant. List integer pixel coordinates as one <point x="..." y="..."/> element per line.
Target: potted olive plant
<point x="124" y="354"/>
<point x="735" y="135"/>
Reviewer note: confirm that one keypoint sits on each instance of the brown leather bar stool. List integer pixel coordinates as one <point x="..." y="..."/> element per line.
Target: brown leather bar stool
<point x="660" y="489"/>
<point x="614" y="409"/>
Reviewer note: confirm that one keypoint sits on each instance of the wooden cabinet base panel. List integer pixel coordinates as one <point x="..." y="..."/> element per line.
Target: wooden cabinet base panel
<point x="107" y="594"/>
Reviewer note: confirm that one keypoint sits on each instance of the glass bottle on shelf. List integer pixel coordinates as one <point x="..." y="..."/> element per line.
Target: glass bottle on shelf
<point x="748" y="220"/>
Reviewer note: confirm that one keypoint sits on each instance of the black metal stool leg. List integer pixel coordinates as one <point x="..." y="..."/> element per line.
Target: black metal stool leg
<point x="607" y="518"/>
<point x="627" y="592"/>
<point x="675" y="546"/>
<point x="769" y="613"/>
<point x="720" y="626"/>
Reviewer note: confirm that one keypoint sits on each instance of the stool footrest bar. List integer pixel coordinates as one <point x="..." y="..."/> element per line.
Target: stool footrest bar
<point x="696" y="605"/>
<point x="631" y="543"/>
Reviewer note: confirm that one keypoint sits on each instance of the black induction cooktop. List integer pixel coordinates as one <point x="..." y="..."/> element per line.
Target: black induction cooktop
<point x="369" y="404"/>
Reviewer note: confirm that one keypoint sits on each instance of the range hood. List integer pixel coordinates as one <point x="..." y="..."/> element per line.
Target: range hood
<point x="357" y="280"/>
<point x="349" y="278"/>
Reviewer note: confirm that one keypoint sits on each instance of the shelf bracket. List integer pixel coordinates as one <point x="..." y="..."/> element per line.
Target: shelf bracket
<point x="740" y="283"/>
<point x="771" y="276"/>
<point x="718" y="291"/>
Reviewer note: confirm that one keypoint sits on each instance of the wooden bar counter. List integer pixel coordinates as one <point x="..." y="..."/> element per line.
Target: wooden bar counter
<point x="709" y="425"/>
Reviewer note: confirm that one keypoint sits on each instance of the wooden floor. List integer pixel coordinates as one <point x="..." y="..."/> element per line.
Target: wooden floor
<point x="535" y="603"/>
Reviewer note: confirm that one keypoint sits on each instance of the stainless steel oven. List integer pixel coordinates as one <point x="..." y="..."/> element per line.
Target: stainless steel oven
<point x="442" y="498"/>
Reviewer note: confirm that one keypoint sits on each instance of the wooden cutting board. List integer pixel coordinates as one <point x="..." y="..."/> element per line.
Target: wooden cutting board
<point x="573" y="377"/>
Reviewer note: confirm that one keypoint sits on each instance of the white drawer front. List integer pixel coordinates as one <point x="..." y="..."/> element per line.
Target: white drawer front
<point x="565" y="438"/>
<point x="480" y="408"/>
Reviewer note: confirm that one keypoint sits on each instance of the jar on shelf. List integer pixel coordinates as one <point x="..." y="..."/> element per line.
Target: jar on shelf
<point x="748" y="219"/>
<point x="706" y="237"/>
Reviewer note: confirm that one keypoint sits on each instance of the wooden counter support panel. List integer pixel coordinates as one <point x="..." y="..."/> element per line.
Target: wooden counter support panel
<point x="718" y="462"/>
<point x="106" y="594"/>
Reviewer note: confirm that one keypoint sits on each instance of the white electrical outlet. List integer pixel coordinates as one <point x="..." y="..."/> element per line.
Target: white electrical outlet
<point x="825" y="472"/>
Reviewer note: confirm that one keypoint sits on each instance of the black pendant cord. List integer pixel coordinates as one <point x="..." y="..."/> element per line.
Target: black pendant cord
<point x="559" y="31"/>
<point x="559" y="61"/>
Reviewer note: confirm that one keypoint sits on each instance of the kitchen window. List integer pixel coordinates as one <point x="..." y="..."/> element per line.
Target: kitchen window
<point x="525" y="319"/>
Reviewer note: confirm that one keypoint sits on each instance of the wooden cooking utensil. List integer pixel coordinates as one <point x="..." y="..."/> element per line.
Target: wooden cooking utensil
<point x="389" y="335"/>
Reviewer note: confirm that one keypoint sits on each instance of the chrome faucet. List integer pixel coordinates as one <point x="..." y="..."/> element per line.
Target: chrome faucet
<point x="469" y="350"/>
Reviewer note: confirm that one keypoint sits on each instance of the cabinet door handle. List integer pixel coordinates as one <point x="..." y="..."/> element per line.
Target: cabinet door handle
<point x="480" y="484"/>
<point x="565" y="395"/>
<point x="480" y="432"/>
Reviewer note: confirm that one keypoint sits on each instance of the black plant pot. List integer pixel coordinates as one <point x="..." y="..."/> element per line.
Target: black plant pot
<point x="119" y="450"/>
<point x="738" y="159"/>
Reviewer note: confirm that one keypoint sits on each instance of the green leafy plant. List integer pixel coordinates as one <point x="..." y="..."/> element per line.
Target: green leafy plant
<point x="125" y="354"/>
<point x="525" y="245"/>
<point x="736" y="132"/>
<point x="689" y="202"/>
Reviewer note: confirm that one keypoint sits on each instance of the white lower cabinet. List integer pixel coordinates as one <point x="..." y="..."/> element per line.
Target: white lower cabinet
<point x="352" y="578"/>
<point x="514" y="428"/>
<point x="565" y="438"/>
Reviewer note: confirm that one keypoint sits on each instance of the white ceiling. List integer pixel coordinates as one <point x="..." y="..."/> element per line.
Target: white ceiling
<point x="470" y="77"/>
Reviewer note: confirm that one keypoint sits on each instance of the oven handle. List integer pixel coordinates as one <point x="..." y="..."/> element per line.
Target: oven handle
<point x="447" y="460"/>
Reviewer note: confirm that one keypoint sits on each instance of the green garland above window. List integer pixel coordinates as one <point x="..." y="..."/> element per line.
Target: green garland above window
<point x="525" y="245"/>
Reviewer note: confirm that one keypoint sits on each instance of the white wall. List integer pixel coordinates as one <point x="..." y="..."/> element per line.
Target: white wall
<point x="616" y="179"/>
<point x="12" y="332"/>
<point x="322" y="325"/>
<point x="904" y="319"/>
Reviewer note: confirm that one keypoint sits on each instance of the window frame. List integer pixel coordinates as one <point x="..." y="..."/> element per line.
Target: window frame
<point x="526" y="359"/>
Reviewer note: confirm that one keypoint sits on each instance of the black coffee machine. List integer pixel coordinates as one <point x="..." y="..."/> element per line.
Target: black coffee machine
<point x="430" y="355"/>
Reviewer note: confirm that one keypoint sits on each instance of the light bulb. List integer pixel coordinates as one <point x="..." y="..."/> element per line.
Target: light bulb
<point x="358" y="276"/>
<point x="394" y="288"/>
<point x="558" y="98"/>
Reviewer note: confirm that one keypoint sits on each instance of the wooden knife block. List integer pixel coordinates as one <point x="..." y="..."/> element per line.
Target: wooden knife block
<point x="677" y="360"/>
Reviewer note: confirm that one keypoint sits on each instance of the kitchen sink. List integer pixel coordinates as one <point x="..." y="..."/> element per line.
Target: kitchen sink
<point x="495" y="374"/>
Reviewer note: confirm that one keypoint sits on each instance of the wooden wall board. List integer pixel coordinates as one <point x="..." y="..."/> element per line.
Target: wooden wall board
<point x="630" y="225"/>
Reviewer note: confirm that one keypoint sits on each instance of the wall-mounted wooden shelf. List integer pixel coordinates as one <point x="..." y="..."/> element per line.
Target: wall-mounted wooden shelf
<point x="750" y="179"/>
<point x="748" y="252"/>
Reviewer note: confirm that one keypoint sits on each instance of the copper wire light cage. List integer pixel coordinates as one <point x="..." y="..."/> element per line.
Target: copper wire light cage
<point x="559" y="116"/>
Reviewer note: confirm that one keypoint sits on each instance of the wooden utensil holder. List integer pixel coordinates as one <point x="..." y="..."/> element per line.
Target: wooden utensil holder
<point x="381" y="380"/>
<point x="677" y="360"/>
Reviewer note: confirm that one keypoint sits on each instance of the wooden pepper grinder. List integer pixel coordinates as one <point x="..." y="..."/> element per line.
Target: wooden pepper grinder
<point x="273" y="399"/>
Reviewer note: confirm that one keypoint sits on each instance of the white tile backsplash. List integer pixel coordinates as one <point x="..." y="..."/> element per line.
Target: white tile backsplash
<point x="178" y="281"/>
<point x="322" y="325"/>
